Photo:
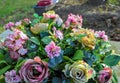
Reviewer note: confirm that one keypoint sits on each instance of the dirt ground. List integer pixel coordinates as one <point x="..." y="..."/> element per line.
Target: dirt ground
<point x="95" y="16"/>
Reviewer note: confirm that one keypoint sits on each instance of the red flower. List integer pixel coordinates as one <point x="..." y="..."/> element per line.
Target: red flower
<point x="44" y="2"/>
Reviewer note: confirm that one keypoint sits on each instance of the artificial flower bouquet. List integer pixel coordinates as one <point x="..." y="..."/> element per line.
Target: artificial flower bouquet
<point x="48" y="50"/>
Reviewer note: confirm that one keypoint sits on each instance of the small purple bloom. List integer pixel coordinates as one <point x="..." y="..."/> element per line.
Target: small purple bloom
<point x="52" y="50"/>
<point x="22" y="51"/>
<point x="9" y="25"/>
<point x="18" y="23"/>
<point x="12" y="77"/>
<point x="57" y="33"/>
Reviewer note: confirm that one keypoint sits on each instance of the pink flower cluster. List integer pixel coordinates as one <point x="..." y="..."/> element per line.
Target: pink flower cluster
<point x="101" y="34"/>
<point x="74" y="20"/>
<point x="9" y="25"/>
<point x="14" y="42"/>
<point x="52" y="50"/>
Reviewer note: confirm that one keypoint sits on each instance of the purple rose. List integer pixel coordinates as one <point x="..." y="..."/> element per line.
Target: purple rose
<point x="11" y="77"/>
<point x="34" y="71"/>
<point x="105" y="75"/>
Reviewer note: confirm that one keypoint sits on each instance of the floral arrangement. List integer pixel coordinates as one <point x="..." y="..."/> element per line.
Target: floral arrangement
<point x="50" y="50"/>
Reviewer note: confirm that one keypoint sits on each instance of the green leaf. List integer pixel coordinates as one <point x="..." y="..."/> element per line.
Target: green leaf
<point x="3" y="62"/>
<point x="46" y="40"/>
<point x="8" y="59"/>
<point x="112" y="60"/>
<point x="35" y="15"/>
<point x="78" y="55"/>
<point x="67" y="59"/>
<point x="3" y="70"/>
<point x="114" y="78"/>
<point x="19" y="63"/>
<point x="56" y="79"/>
<point x="2" y="80"/>
<point x="1" y="57"/>
<point x="35" y="40"/>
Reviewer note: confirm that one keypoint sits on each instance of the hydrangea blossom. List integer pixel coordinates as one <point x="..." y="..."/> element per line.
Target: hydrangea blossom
<point x="14" y="42"/>
<point x="12" y="77"/>
<point x="9" y="25"/>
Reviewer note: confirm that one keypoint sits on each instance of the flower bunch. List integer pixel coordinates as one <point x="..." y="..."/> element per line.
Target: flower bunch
<point x="49" y="50"/>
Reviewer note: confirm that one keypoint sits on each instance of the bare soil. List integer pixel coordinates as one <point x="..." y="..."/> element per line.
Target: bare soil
<point x="95" y="16"/>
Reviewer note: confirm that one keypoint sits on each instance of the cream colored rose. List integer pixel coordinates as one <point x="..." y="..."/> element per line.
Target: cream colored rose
<point x="79" y="71"/>
<point x="37" y="28"/>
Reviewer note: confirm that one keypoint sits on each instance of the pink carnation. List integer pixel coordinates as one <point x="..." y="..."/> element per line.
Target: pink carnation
<point x="52" y="50"/>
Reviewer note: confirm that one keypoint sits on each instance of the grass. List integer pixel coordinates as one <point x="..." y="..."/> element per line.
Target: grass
<point x="9" y="6"/>
<point x="14" y="10"/>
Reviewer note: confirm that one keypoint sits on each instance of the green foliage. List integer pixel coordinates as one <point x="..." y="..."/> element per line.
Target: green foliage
<point x="17" y="11"/>
<point x="46" y="40"/>
<point x="4" y="69"/>
<point x="112" y="60"/>
<point x="19" y="63"/>
<point x="114" y="2"/>
<point x="2" y="80"/>
<point x="78" y="55"/>
<point x="114" y="78"/>
<point x="7" y="6"/>
<point x="35" y="40"/>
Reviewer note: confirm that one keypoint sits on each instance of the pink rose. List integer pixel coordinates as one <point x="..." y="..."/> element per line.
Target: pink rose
<point x="34" y="71"/>
<point x="105" y="75"/>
